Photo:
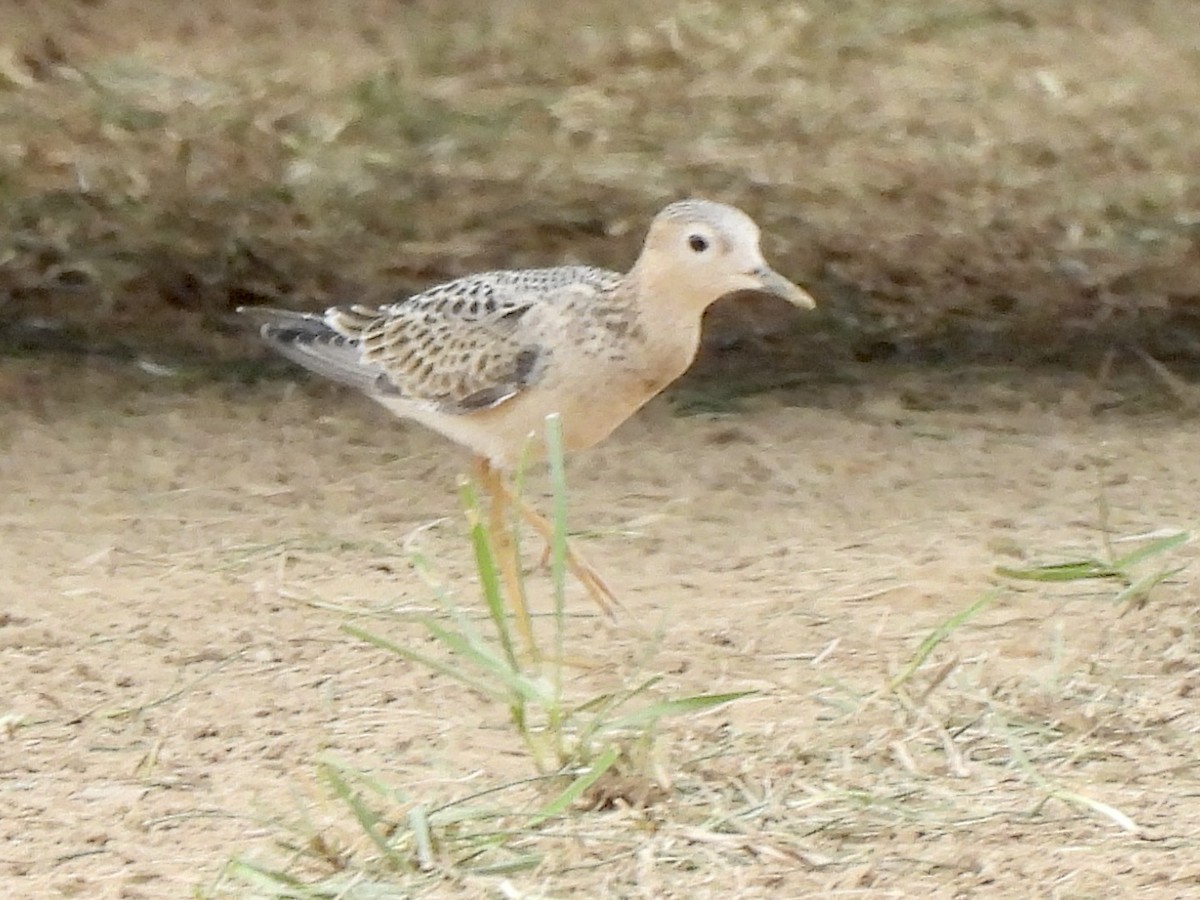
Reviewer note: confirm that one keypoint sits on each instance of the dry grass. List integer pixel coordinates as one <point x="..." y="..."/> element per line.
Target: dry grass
<point x="177" y="566"/>
<point x="947" y="174"/>
<point x="959" y="755"/>
<point x="985" y="176"/>
<point x="939" y="749"/>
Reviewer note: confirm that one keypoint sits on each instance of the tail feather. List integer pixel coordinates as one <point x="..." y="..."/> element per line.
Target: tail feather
<point x="306" y="339"/>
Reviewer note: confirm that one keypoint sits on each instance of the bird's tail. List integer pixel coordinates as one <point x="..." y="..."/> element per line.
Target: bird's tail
<point x="307" y="339"/>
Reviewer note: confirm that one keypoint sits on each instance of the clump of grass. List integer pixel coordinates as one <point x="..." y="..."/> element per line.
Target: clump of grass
<point x="572" y="742"/>
<point x="1127" y="569"/>
<point x="939" y="739"/>
<point x="560" y="733"/>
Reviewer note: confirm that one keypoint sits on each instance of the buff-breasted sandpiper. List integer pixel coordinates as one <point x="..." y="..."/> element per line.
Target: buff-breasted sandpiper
<point x="486" y="358"/>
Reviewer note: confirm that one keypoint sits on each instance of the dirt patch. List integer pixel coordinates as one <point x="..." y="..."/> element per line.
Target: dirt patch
<point x="175" y="566"/>
<point x="181" y="539"/>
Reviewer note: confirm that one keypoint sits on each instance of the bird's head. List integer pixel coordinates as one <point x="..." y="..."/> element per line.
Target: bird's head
<point x="700" y="251"/>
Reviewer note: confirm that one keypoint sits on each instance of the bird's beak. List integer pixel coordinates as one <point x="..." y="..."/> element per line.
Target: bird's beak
<point x="772" y="282"/>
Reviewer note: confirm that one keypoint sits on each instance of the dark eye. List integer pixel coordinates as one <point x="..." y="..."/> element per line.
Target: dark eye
<point x="698" y="243"/>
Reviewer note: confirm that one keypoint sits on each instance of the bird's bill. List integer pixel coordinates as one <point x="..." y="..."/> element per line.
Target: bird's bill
<point x="772" y="282"/>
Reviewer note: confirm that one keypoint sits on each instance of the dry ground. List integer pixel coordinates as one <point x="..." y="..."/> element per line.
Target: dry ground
<point x="957" y="181"/>
<point x="175" y="564"/>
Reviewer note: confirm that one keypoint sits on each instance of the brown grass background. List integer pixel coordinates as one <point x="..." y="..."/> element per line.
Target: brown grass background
<point x="954" y="180"/>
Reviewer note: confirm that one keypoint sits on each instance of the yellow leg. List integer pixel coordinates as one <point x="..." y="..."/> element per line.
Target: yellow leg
<point x="596" y="586"/>
<point x="505" y="549"/>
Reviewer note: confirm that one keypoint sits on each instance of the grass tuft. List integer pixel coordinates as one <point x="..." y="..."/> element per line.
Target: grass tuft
<point x="574" y="744"/>
<point x="1127" y="569"/>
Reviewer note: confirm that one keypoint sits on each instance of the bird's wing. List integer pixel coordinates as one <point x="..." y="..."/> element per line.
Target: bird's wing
<point x="466" y="345"/>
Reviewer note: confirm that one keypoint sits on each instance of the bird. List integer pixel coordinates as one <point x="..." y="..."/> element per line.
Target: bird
<point x="484" y="359"/>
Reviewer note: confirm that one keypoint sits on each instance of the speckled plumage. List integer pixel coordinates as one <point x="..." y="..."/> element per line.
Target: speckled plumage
<point x="483" y="359"/>
<point x="474" y="342"/>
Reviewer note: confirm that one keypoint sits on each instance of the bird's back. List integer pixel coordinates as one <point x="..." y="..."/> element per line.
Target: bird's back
<point x="460" y="346"/>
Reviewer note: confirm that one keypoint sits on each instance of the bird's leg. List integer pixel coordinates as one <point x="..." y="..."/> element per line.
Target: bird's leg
<point x="596" y="586"/>
<point x="504" y="548"/>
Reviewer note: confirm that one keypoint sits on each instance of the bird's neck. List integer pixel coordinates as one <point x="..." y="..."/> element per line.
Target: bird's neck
<point x="669" y="330"/>
<point x="658" y="292"/>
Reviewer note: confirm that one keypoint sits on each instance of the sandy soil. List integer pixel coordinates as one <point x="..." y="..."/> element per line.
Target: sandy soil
<point x="955" y="181"/>
<point x="175" y="564"/>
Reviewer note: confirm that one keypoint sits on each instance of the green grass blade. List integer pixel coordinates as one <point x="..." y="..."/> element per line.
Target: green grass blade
<point x="1110" y="812"/>
<point x="457" y="672"/>
<point x="1151" y="549"/>
<point x="1071" y="798"/>
<point x="599" y="707"/>
<point x="604" y="702"/>
<point x="522" y="863"/>
<point x="1078" y="570"/>
<point x="367" y="820"/>
<point x="666" y="708"/>
<point x="489" y="574"/>
<point x="575" y="789"/>
<point x="363" y="779"/>
<point x="276" y="881"/>
<point x="558" y="544"/>
<point x="518" y="684"/>
<point x="938" y="635"/>
<point x="1140" y="589"/>
<point x="418" y="824"/>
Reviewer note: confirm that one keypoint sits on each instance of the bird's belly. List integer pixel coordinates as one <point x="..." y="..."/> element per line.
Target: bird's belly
<point x="591" y="402"/>
<point x="589" y="412"/>
<point x="593" y="407"/>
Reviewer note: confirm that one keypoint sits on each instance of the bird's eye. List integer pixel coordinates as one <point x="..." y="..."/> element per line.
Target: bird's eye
<point x="698" y="243"/>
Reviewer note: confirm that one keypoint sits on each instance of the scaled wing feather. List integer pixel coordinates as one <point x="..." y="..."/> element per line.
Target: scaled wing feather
<point x="463" y="346"/>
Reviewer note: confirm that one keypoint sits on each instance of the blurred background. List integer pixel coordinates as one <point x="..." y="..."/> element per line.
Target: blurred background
<point x="956" y="180"/>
